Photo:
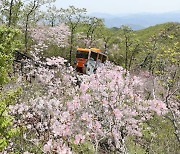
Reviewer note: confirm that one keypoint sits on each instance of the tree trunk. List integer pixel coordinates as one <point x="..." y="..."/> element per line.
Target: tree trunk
<point x="34" y="7"/>
<point x="71" y="46"/>
<point x="10" y="13"/>
<point x="126" y="55"/>
<point x="26" y="34"/>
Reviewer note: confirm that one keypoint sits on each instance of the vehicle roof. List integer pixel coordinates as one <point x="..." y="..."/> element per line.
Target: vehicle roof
<point x="95" y="49"/>
<point x="88" y="50"/>
<point x="83" y="49"/>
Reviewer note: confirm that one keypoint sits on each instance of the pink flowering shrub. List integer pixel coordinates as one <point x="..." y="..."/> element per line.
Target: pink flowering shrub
<point x="115" y="105"/>
<point x="51" y="35"/>
<point x="104" y="109"/>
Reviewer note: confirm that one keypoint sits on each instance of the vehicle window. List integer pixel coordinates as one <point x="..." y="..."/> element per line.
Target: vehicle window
<point x="100" y="57"/>
<point x="104" y="59"/>
<point x="80" y="54"/>
<point x="94" y="56"/>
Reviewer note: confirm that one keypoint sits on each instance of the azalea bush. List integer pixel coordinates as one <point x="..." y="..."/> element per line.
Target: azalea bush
<point x="61" y="109"/>
<point x="51" y="35"/>
<point x="49" y="108"/>
<point x="55" y="38"/>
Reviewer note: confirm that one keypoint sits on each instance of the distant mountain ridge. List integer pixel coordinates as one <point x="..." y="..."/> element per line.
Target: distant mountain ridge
<point x="138" y="21"/>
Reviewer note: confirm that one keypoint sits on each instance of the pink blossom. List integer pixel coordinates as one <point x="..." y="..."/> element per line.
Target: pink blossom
<point x="79" y="139"/>
<point x="47" y="147"/>
<point x="73" y="105"/>
<point x="158" y="106"/>
<point x="84" y="87"/>
<point x="85" y="116"/>
<point x="118" y="114"/>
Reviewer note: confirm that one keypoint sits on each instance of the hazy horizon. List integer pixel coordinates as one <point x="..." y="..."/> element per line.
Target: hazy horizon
<point x="122" y="7"/>
<point x="174" y="11"/>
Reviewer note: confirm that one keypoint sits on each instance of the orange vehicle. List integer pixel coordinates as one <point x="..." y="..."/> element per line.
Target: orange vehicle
<point x="87" y="60"/>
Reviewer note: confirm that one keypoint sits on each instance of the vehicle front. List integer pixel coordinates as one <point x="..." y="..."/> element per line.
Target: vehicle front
<point x="81" y="58"/>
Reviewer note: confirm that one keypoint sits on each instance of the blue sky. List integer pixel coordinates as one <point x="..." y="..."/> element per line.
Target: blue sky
<point x="122" y="6"/>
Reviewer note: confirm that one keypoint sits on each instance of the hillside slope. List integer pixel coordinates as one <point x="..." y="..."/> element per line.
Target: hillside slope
<point x="170" y="28"/>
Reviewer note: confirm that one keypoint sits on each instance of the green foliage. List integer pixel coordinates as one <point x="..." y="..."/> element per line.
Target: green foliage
<point x="158" y="136"/>
<point x="108" y="36"/>
<point x="25" y="144"/>
<point x="146" y="33"/>
<point x="54" y="50"/>
<point x="11" y="19"/>
<point x="133" y="147"/>
<point x="85" y="148"/>
<point x="163" y="51"/>
<point x="159" y="47"/>
<point x="6" y="129"/>
<point x="128" y="48"/>
<point x="90" y="29"/>
<point x="72" y="17"/>
<point x="169" y="55"/>
<point x="52" y="15"/>
<point x="8" y="44"/>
